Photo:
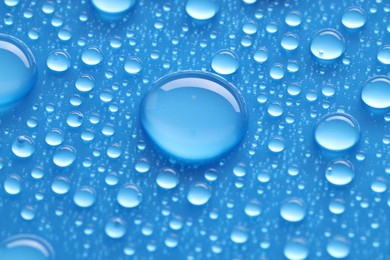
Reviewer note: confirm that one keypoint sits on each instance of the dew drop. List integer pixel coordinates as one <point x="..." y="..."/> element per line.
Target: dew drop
<point x="129" y="196"/>
<point x="338" y="247"/>
<point x="252" y="208"/>
<point x="384" y="55"/>
<point x="290" y="41"/>
<point x="23" y="146"/>
<point x="327" y="45"/>
<point x="296" y="249"/>
<point x="239" y="235"/>
<point x="55" y="137"/>
<point x="85" y="197"/>
<point x="276" y="145"/>
<point x="12" y="184"/>
<point x="133" y="66"/>
<point x="337" y="206"/>
<point x="58" y="61"/>
<point x="293" y="19"/>
<point x="376" y="92"/>
<point x="293" y="210"/>
<point x="202" y="10"/>
<point x="261" y="55"/>
<point x="199" y="194"/>
<point x="115" y="228"/>
<point x="64" y="156"/>
<point x="353" y="18"/>
<point x="194" y="116"/>
<point x="225" y="62"/>
<point x="167" y="179"/>
<point x="60" y="185"/>
<point x="340" y="172"/>
<point x="18" y="71"/>
<point x="92" y="56"/>
<point x="113" y="9"/>
<point x="26" y="246"/>
<point x="85" y="83"/>
<point x="337" y="132"/>
<point x="276" y="71"/>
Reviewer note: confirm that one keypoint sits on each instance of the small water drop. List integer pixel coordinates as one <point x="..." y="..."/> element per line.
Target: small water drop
<point x="290" y="41"/>
<point x="113" y="9"/>
<point x="202" y="10"/>
<point x="376" y="92"/>
<point x="60" y="185"/>
<point x="296" y="249"/>
<point x="167" y="179"/>
<point x="84" y="197"/>
<point x="92" y="56"/>
<point x="133" y="66"/>
<point x="340" y="172"/>
<point x="327" y="45"/>
<point x="85" y="83"/>
<point x="199" y="194"/>
<point x="64" y="156"/>
<point x="384" y="55"/>
<point x="115" y="228"/>
<point x="129" y="196"/>
<point x="23" y="146"/>
<point x="239" y="235"/>
<point x="293" y="18"/>
<point x="225" y="62"/>
<point x="12" y="184"/>
<point x="58" y="61"/>
<point x="353" y="18"/>
<point x="293" y="210"/>
<point x="338" y="247"/>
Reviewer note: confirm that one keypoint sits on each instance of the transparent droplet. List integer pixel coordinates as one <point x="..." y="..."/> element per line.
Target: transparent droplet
<point x="11" y="3"/>
<point x="133" y="66"/>
<point x="261" y="55"/>
<point x="239" y="235"/>
<point x="340" y="172"/>
<point x="114" y="151"/>
<point x="293" y="18"/>
<point x="338" y="247"/>
<point x="75" y="119"/>
<point x="354" y="18"/>
<point x="58" y="61"/>
<point x="290" y="41"/>
<point x="115" y="228"/>
<point x="26" y="246"/>
<point x="113" y="9"/>
<point x="296" y="249"/>
<point x="194" y="116"/>
<point x="12" y="184"/>
<point x="276" y="145"/>
<point x="55" y="137"/>
<point x="384" y="55"/>
<point x="252" y="208"/>
<point x="92" y="56"/>
<point x="275" y="109"/>
<point x="199" y="194"/>
<point x="84" y="197"/>
<point x="23" y="146"/>
<point x="337" y="132"/>
<point x="376" y="92"/>
<point x="64" y="156"/>
<point x="225" y="62"/>
<point x="250" y="27"/>
<point x="27" y="213"/>
<point x="142" y="166"/>
<point x="379" y="185"/>
<point x="202" y="10"/>
<point x="85" y="83"/>
<point x="276" y="71"/>
<point x="167" y="179"/>
<point x="18" y="71"/>
<point x="129" y="196"/>
<point x="60" y="185"/>
<point x="293" y="210"/>
<point x="337" y="206"/>
<point x="327" y="45"/>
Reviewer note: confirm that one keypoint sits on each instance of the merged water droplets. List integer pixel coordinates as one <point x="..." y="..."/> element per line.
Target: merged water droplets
<point x="327" y="45"/>
<point x="18" y="71"/>
<point x="194" y="116"/>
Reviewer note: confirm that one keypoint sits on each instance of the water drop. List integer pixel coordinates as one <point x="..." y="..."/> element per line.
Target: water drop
<point x="115" y="228"/>
<point x="276" y="145"/>
<point x="250" y="27"/>
<point x="75" y="119"/>
<point x="23" y="146"/>
<point x="60" y="185"/>
<point x="337" y="132"/>
<point x="353" y="18"/>
<point x="142" y="166"/>
<point x="92" y="56"/>
<point x="384" y="55"/>
<point x="12" y="184"/>
<point x="379" y="185"/>
<point x="376" y="92"/>
<point x="290" y="41"/>
<point x="167" y="179"/>
<point x="327" y="45"/>
<point x="26" y="246"/>
<point x="261" y="55"/>
<point x="252" y="208"/>
<point x="340" y="172"/>
<point x="18" y="71"/>
<point x="113" y="9"/>
<point x="293" y="210"/>
<point x="84" y="197"/>
<point x="338" y="247"/>
<point x="64" y="156"/>
<point x="337" y="206"/>
<point x="202" y="10"/>
<point x="239" y="235"/>
<point x="27" y="213"/>
<point x="194" y="116"/>
<point x="296" y="249"/>
<point x="293" y="19"/>
<point x="55" y="137"/>
<point x="114" y="151"/>
<point x="276" y="71"/>
<point x="199" y="194"/>
<point x="225" y="62"/>
<point x="58" y="61"/>
<point x="85" y="83"/>
<point x="129" y="196"/>
<point x="133" y="66"/>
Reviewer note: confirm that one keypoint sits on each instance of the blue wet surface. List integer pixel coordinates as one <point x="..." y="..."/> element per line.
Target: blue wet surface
<point x="268" y="198"/>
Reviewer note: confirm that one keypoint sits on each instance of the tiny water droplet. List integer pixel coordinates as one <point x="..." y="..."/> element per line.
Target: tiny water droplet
<point x="115" y="228"/>
<point x="338" y="247"/>
<point x="167" y="179"/>
<point x="64" y="156"/>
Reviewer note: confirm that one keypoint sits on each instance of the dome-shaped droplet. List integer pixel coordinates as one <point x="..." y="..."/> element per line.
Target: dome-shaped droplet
<point x="296" y="249"/>
<point x="64" y="156"/>
<point x="353" y="18"/>
<point x="327" y="45"/>
<point x="55" y="137"/>
<point x="167" y="179"/>
<point x="293" y="210"/>
<point x="85" y="83"/>
<point x="202" y="10"/>
<point x="337" y="206"/>
<point x="58" y="61"/>
<point x="384" y="55"/>
<point x="26" y="246"/>
<point x="18" y="71"/>
<point x="338" y="247"/>
<point x="225" y="62"/>
<point x="340" y="172"/>
<point x="276" y="145"/>
<point x="277" y="71"/>
<point x="115" y="228"/>
<point x="293" y="19"/>
<point x="133" y="66"/>
<point x="337" y="132"/>
<point x="376" y="92"/>
<point x="12" y="184"/>
<point x="113" y="9"/>
<point x="84" y="197"/>
<point x="199" y="194"/>
<point x="23" y="146"/>
<point x="194" y="116"/>
<point x="261" y="55"/>
<point x="239" y="235"/>
<point x="290" y="41"/>
<point x="129" y="196"/>
<point x="60" y="185"/>
<point x="92" y="56"/>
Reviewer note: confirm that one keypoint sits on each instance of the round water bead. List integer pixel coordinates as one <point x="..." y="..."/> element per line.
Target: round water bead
<point x="202" y="10"/>
<point x="376" y="92"/>
<point x="354" y="18"/>
<point x="327" y="45"/>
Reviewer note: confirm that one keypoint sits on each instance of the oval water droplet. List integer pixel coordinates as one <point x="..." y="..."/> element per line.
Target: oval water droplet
<point x="337" y="132"/>
<point x="60" y="185"/>
<point x="384" y="55"/>
<point x="296" y="249"/>
<point x="129" y="196"/>
<point x="84" y="197"/>
<point x="293" y="18"/>
<point x="133" y="66"/>
<point x="293" y="210"/>
<point x="239" y="235"/>
<point x="338" y="247"/>
<point x="85" y="83"/>
<point x="194" y="116"/>
<point x="113" y="9"/>
<point x="92" y="56"/>
<point x="23" y="146"/>
<point x="58" y="61"/>
<point x="18" y="71"/>
<point x="64" y="156"/>
<point x="202" y="10"/>
<point x="115" y="228"/>
<point x="327" y="45"/>
<point x="12" y="184"/>
<point x="376" y="92"/>
<point x="199" y="194"/>
<point x="290" y="41"/>
<point x="340" y="172"/>
<point x="354" y="18"/>
<point x="225" y="62"/>
<point x="167" y="179"/>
